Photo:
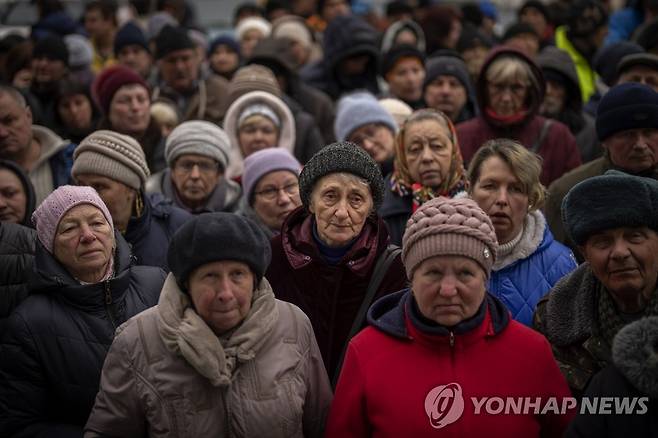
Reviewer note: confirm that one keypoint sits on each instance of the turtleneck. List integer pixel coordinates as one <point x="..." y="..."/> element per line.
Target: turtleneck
<point x="507" y="248"/>
<point x="430" y="327"/>
<point x="332" y="255"/>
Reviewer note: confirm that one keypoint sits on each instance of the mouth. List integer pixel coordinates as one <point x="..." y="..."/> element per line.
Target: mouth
<point x="429" y="174"/>
<point x="623" y="271"/>
<point x="91" y="253"/>
<point x="499" y="216"/>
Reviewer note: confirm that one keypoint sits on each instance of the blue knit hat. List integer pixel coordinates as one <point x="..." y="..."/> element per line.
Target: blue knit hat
<point x="130" y="34"/>
<point x="626" y="106"/>
<point x="225" y="40"/>
<point x="358" y="109"/>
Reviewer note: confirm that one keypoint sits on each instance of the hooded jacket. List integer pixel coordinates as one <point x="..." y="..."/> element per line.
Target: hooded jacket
<point x="558" y="148"/>
<point x="392" y="367"/>
<point x="56" y="341"/>
<point x="169" y="375"/>
<point x="53" y="168"/>
<point x="31" y="201"/>
<point x="329" y="295"/>
<point x="388" y="40"/>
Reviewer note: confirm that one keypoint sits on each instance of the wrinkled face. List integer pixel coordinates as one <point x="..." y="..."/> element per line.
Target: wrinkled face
<point x="180" y="69"/>
<point x="249" y="40"/>
<point x="376" y="139"/>
<point x="84" y="243"/>
<point x="641" y="74"/>
<point x="625" y="260"/>
<point x="15" y="127"/>
<point x="275" y="196"/>
<point x="502" y="196"/>
<point x="13" y="199"/>
<point x="221" y="293"/>
<point x="75" y="111"/>
<point x="129" y="110"/>
<point x="535" y="18"/>
<point x="137" y="58"/>
<point x="554" y="99"/>
<point x="507" y="98"/>
<point x="118" y="197"/>
<point x="341" y="204"/>
<point x="446" y="94"/>
<point x="405" y="80"/>
<point x="448" y="289"/>
<point x="633" y="150"/>
<point x="257" y="133"/>
<point x="195" y="177"/>
<point x="96" y="25"/>
<point x="224" y="60"/>
<point x="429" y="152"/>
<point x="47" y="71"/>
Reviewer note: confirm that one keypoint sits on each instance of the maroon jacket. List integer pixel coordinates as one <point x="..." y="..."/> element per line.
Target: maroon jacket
<point x="329" y="295"/>
<point x="558" y="149"/>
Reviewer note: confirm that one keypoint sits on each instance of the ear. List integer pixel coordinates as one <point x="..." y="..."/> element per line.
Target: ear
<point x="28" y="113"/>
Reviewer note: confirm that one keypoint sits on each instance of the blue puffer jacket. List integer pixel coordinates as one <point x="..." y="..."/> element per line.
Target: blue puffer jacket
<point x="521" y="278"/>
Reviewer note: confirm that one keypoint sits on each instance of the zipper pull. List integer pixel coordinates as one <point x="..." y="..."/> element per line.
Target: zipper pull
<point x="108" y="293"/>
<point x="452" y="339"/>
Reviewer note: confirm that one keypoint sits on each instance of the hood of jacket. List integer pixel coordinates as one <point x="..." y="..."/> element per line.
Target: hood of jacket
<point x="394" y="29"/>
<point x="388" y="314"/>
<point x="635" y="354"/>
<point x="30" y="205"/>
<point x="553" y="59"/>
<point x="286" y="132"/>
<point x="535" y="94"/>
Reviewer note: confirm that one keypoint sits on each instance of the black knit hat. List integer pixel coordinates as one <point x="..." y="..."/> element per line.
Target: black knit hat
<point x="587" y="207"/>
<point x="171" y="39"/>
<point x="626" y="106"/>
<point x="539" y="6"/>
<point x="211" y="237"/>
<point x="607" y="59"/>
<point x="446" y="66"/>
<point x="53" y="48"/>
<point x="130" y="34"/>
<point x="341" y="157"/>
<point x="396" y="53"/>
<point x="520" y="28"/>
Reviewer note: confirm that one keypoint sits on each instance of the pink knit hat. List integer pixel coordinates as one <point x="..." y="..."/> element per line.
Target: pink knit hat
<point x="444" y="226"/>
<point x="47" y="215"/>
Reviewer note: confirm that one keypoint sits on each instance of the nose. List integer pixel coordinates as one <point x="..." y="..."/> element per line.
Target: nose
<point x="426" y="154"/>
<point x="224" y="290"/>
<point x="86" y="235"/>
<point x="283" y="198"/>
<point x="195" y="173"/>
<point x="367" y="144"/>
<point x="3" y="202"/>
<point x="448" y="286"/>
<point x="502" y="197"/>
<point x="620" y="249"/>
<point x="341" y="209"/>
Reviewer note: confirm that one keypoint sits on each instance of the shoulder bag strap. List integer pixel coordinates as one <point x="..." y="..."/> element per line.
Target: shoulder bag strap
<point x="542" y="135"/>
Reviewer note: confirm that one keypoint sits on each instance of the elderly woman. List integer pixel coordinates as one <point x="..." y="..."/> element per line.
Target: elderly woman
<point x="125" y="100"/>
<point x="115" y="166"/>
<point x="83" y="287"/>
<point x="257" y="120"/>
<point x="231" y="359"/>
<point x="324" y="259"/>
<point x="437" y="336"/>
<point x="428" y="163"/>
<point x="271" y="188"/>
<point x="504" y="181"/>
<point x="510" y="90"/>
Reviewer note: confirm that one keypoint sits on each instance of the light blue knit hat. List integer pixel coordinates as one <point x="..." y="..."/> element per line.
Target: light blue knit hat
<point x="358" y="109"/>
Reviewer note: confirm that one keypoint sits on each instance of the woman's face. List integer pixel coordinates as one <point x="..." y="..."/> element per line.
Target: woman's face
<point x="275" y="196"/>
<point x="75" y="111"/>
<point x="13" y="199"/>
<point x="249" y="41"/>
<point x="405" y="80"/>
<point x="130" y="110"/>
<point x="376" y="139"/>
<point x="118" y="197"/>
<point x="257" y="133"/>
<point x="428" y="149"/>
<point x="84" y="243"/>
<point x="448" y="289"/>
<point x="502" y="196"/>
<point x="341" y="204"/>
<point x="507" y="97"/>
<point x="221" y="293"/>
<point x="224" y="60"/>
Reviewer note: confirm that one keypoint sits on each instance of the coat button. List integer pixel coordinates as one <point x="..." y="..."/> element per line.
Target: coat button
<point x="307" y="258"/>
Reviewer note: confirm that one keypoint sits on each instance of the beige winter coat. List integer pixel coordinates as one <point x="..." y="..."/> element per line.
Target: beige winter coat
<point x="168" y="375"/>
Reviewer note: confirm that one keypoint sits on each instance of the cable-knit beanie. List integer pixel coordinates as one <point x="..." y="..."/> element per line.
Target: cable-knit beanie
<point x="262" y="162"/>
<point x="113" y="155"/>
<point x="337" y="158"/>
<point x="198" y="137"/>
<point x="444" y="226"/>
<point x="108" y="82"/>
<point x="48" y="214"/>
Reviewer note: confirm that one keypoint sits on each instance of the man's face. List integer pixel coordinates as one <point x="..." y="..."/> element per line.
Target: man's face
<point x="335" y="8"/>
<point x="633" y="150"/>
<point x="195" y="177"/>
<point x="96" y="25"/>
<point x="405" y="80"/>
<point x="625" y="261"/>
<point x="137" y="58"/>
<point x="47" y="71"/>
<point x="554" y="99"/>
<point x="15" y="127"/>
<point x="641" y="74"/>
<point x="179" y="69"/>
<point x="447" y="94"/>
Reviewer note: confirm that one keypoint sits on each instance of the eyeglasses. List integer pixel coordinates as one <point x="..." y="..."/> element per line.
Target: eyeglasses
<point x="204" y="166"/>
<point x="271" y="193"/>
<point x="499" y="88"/>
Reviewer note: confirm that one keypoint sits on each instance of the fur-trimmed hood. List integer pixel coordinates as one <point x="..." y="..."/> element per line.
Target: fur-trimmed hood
<point x="635" y="354"/>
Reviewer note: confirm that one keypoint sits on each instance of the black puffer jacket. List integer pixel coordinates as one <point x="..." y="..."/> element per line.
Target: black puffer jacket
<point x="16" y="258"/>
<point x="56" y="341"/>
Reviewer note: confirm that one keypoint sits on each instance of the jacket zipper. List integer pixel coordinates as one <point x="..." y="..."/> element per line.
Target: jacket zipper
<point x="452" y="339"/>
<point x="108" y="306"/>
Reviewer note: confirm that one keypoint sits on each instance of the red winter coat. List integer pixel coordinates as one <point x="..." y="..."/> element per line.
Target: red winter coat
<point x="391" y="367"/>
<point x="329" y="295"/>
<point x="558" y="149"/>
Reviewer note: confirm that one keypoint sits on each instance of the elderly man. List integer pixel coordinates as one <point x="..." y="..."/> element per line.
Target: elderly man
<point x="639" y="67"/>
<point x="626" y="127"/>
<point x="613" y="219"/>
<point x="39" y="151"/>
<point x="197" y="154"/>
<point x="448" y="88"/>
<point x="180" y="78"/>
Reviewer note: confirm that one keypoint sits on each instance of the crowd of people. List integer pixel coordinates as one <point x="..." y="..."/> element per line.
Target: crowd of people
<point x="327" y="221"/>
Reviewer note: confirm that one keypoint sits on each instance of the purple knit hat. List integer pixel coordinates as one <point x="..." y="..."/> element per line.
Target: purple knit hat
<point x="260" y="163"/>
<point x="47" y="215"/>
<point x="444" y="226"/>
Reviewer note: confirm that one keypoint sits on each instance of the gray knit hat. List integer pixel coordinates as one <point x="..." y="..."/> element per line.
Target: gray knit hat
<point x="341" y="157"/>
<point x="198" y="137"/>
<point x="359" y="109"/>
<point x="113" y="155"/>
<point x="443" y="226"/>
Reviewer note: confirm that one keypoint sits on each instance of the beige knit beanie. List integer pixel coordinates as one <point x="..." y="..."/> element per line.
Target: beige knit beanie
<point x="254" y="77"/>
<point x="113" y="155"/>
<point x="444" y="226"/>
